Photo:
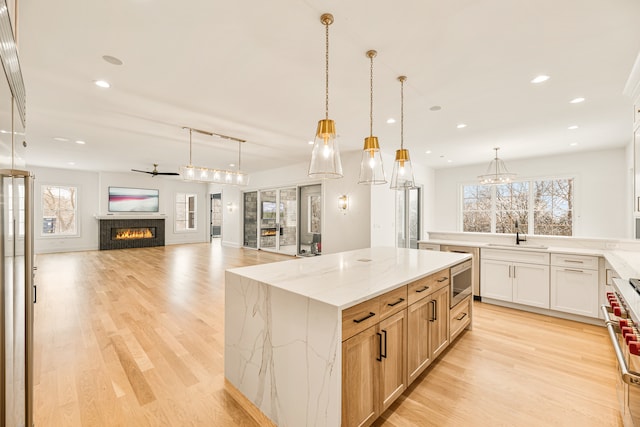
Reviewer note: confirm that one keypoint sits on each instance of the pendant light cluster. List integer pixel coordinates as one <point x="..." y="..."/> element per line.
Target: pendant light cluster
<point x="216" y="176"/>
<point x="325" y="156"/>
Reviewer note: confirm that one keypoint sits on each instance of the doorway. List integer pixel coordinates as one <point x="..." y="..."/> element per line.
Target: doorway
<point x="310" y="220"/>
<point x="278" y="213"/>
<point x="215" y="216"/>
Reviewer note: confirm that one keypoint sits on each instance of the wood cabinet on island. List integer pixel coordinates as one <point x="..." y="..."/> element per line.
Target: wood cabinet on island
<point x="286" y="335"/>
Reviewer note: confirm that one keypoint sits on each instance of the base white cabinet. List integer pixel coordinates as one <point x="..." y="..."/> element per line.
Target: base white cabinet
<point x="574" y="284"/>
<point x="515" y="276"/>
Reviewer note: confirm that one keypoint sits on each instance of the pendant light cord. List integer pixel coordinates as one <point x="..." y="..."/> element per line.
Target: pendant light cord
<point x="239" y="156"/>
<point x="326" y="71"/>
<point x="402" y="113"/>
<point x="371" y="98"/>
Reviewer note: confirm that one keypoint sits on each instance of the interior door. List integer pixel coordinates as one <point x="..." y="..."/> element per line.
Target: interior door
<point x="279" y="220"/>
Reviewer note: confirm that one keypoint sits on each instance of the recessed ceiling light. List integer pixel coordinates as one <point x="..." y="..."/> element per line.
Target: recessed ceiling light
<point x="71" y="163"/>
<point x="449" y="161"/>
<point x="576" y="100"/>
<point x="428" y="152"/>
<point x="435" y="108"/>
<point x="80" y="142"/>
<point x="539" y="79"/>
<point x="61" y="139"/>
<point x="573" y="144"/>
<point x="310" y="143"/>
<point x="573" y="127"/>
<point x="112" y="60"/>
<point x="461" y="125"/>
<point x="231" y="165"/>
<point x="102" y="83"/>
<point x="4" y="131"/>
<point x="391" y="121"/>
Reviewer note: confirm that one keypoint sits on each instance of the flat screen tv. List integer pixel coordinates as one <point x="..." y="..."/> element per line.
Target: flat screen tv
<point x="268" y="210"/>
<point x="123" y="199"/>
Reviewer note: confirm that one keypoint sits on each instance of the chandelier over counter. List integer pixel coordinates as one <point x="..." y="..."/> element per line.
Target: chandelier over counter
<point x="402" y="177"/>
<point x="325" y="157"/>
<point x="371" y="169"/>
<point x="209" y="175"/>
<point x="497" y="172"/>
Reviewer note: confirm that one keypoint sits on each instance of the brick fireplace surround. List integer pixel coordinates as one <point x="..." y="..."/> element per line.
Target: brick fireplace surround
<point x="108" y="242"/>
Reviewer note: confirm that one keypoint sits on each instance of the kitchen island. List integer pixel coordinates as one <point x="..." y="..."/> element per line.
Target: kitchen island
<point x="283" y="325"/>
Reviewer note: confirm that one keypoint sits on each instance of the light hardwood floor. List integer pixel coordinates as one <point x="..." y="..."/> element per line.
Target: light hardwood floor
<point x="135" y="338"/>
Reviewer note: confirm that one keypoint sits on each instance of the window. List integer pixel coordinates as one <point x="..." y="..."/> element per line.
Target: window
<point x="185" y="212"/>
<point x="59" y="210"/>
<point x="542" y="207"/>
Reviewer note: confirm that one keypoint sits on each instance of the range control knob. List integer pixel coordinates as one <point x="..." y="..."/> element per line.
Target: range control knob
<point x="634" y="347"/>
<point x="630" y="337"/>
<point x="623" y="323"/>
<point x="617" y="311"/>
<point x="626" y="331"/>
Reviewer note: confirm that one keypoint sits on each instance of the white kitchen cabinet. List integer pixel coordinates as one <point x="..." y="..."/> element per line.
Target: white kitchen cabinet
<point x="515" y="276"/>
<point x="574" y="284"/>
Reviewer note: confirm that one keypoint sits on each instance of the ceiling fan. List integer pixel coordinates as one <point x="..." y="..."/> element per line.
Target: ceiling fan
<point x="155" y="172"/>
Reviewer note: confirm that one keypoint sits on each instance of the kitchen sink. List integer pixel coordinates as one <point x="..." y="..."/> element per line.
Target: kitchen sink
<point x="514" y="246"/>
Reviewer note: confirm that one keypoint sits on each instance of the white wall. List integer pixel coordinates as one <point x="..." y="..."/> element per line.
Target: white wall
<point x="601" y="200"/>
<point x="92" y="201"/>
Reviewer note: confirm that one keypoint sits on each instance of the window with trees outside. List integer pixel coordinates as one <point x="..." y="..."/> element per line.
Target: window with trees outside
<point x="540" y="207"/>
<point x="59" y="210"/>
<point x="185" y="212"/>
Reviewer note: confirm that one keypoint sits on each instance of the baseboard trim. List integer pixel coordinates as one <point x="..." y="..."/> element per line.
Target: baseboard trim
<point x="247" y="405"/>
<point x="546" y="312"/>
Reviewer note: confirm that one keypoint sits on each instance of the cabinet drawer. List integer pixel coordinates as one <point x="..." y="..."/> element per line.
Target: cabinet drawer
<point x="516" y="255"/>
<point x="427" y="285"/>
<point x="360" y="317"/>
<point x="460" y="317"/>
<point x="393" y="302"/>
<point x="429" y="246"/>
<point x="575" y="261"/>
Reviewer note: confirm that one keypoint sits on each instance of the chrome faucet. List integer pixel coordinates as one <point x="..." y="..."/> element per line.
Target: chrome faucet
<point x="518" y="238"/>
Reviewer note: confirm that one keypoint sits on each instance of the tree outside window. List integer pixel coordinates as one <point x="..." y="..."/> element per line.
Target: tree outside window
<point x="542" y="207"/>
<point x="59" y="210"/>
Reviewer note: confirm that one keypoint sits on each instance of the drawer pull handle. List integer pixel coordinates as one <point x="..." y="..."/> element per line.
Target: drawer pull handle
<point x="462" y="317"/>
<point x="422" y="289"/>
<point x="393" y="304"/>
<point x="574" y="261"/>
<point x="575" y="271"/>
<point x="442" y="279"/>
<point x="371" y="314"/>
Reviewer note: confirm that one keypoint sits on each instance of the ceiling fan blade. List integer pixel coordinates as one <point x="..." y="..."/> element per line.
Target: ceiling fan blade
<point x="167" y="173"/>
<point x="137" y="170"/>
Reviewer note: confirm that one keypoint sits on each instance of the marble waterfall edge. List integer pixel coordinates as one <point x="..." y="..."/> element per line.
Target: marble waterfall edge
<point x="283" y="352"/>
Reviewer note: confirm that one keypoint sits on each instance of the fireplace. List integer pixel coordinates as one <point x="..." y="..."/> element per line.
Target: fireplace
<point x="125" y="233"/>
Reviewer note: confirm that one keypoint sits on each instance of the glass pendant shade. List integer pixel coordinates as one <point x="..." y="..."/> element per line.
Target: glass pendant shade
<point x="497" y="172"/>
<point x="402" y="177"/>
<point x="325" y="157"/>
<point x="371" y="169"/>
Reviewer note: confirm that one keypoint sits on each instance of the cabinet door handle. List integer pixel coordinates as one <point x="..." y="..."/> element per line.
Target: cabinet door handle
<point x="393" y="304"/>
<point x="575" y="271"/>
<point x="385" y="345"/>
<point x="442" y="279"/>
<point x="422" y="289"/>
<point x="434" y="316"/>
<point x="574" y="261"/>
<point x="462" y="317"/>
<point x="371" y="314"/>
<point x="509" y="271"/>
<point x="514" y="271"/>
<point x="379" y="358"/>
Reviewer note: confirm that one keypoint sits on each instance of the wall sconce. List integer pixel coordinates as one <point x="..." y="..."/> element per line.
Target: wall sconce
<point x="343" y="203"/>
<point x="230" y="206"/>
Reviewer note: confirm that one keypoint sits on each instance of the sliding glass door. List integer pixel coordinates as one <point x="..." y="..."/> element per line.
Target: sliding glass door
<point x="278" y="219"/>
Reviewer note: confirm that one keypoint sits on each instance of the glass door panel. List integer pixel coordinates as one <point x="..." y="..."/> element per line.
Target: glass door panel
<point x="408" y="218"/>
<point x="250" y="207"/>
<point x="288" y="221"/>
<point x="268" y="220"/>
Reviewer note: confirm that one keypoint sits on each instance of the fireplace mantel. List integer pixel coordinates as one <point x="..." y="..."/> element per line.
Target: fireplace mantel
<point x="130" y="216"/>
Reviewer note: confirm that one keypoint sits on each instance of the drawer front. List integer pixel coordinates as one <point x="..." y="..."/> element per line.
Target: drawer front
<point x="429" y="246"/>
<point x="460" y="317"/>
<point x="427" y="285"/>
<point x="393" y="302"/>
<point x="575" y="261"/>
<point x="516" y="255"/>
<point x="360" y="317"/>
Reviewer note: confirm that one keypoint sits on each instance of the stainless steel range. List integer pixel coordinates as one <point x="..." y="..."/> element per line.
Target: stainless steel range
<point x="623" y="326"/>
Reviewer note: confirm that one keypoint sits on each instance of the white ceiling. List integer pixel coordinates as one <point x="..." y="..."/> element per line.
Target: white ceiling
<point x="255" y="70"/>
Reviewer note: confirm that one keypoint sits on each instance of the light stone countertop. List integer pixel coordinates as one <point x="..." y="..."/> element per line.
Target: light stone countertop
<point x="347" y="278"/>
<point x="521" y="247"/>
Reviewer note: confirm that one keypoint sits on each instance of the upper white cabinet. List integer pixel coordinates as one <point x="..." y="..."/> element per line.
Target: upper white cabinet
<point x="574" y="284"/>
<point x="515" y="276"/>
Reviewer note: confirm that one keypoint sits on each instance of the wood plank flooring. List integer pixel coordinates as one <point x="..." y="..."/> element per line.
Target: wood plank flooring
<point x="135" y="338"/>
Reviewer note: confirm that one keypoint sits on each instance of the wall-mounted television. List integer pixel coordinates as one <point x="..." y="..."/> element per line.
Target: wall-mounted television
<point x="122" y="199"/>
<point x="268" y="210"/>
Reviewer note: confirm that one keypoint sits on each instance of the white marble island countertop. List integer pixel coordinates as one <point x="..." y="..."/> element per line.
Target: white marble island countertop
<point x="348" y="278"/>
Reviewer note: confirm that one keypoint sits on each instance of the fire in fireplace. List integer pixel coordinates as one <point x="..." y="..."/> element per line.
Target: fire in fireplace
<point x="133" y="233"/>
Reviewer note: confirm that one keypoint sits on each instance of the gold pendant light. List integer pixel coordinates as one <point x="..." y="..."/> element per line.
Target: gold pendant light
<point x="402" y="177"/>
<point x="371" y="169"/>
<point x="325" y="157"/>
